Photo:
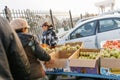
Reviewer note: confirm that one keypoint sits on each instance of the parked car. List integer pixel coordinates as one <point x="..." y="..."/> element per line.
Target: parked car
<point x="81" y="20"/>
<point x="62" y="34"/>
<point x="91" y="32"/>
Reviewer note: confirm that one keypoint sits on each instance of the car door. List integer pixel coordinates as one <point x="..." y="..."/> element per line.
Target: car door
<point x="108" y="29"/>
<point x="85" y="33"/>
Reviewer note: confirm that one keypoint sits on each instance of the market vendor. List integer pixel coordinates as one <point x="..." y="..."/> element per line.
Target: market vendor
<point x="49" y="36"/>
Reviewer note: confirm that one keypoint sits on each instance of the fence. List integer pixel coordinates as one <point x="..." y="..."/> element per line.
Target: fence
<point x="36" y="18"/>
<point x="33" y="18"/>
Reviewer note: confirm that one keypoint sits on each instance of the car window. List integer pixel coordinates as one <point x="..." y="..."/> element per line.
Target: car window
<point x="87" y="29"/>
<point x="117" y="22"/>
<point x="108" y="24"/>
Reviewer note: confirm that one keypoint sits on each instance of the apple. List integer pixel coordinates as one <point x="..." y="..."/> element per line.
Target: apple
<point x="111" y="53"/>
<point x="88" y="55"/>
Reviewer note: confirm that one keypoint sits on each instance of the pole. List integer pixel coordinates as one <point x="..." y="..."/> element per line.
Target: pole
<point x="80" y="16"/>
<point x="52" y="19"/>
<point x="7" y="13"/>
<point x="71" y="18"/>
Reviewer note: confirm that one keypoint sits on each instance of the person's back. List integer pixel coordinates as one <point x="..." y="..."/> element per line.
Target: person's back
<point x="5" y="73"/>
<point x="32" y="48"/>
<point x="30" y="43"/>
<point x="13" y="50"/>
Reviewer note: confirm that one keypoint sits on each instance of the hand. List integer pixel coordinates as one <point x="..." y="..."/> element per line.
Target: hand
<point x="51" y="61"/>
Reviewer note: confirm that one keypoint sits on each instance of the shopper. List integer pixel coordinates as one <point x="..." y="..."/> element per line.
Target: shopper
<point x="49" y="35"/>
<point x="5" y="73"/>
<point x="14" y="64"/>
<point x="32" y="48"/>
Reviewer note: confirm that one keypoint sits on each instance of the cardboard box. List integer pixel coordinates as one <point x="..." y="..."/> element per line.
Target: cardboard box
<point x="75" y="43"/>
<point x="49" y="52"/>
<point x="90" y="66"/>
<point x="61" y="59"/>
<point x="57" y="46"/>
<point x="110" y="66"/>
<point x="54" y="49"/>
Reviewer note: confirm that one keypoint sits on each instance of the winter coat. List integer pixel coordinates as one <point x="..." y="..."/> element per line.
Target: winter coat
<point x="5" y="73"/>
<point x="12" y="54"/>
<point x="34" y="53"/>
<point x="49" y="37"/>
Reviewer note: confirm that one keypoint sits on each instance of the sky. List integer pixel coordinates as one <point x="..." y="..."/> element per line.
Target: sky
<point x="76" y="6"/>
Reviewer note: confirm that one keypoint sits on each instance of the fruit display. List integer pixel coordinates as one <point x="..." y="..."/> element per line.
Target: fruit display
<point x="63" y="48"/>
<point x="74" y="43"/>
<point x="112" y="44"/>
<point x="68" y="47"/>
<point x="111" y="53"/>
<point x="88" y="55"/>
<point x="48" y="50"/>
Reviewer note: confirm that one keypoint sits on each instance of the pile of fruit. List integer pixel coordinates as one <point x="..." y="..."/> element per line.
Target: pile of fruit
<point x="88" y="55"/>
<point x="48" y="50"/>
<point x="62" y="48"/>
<point x="112" y="44"/>
<point x="111" y="53"/>
<point x="68" y="47"/>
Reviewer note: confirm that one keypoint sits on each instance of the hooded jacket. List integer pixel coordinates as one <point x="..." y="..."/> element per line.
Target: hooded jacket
<point x="34" y="53"/>
<point x="12" y="56"/>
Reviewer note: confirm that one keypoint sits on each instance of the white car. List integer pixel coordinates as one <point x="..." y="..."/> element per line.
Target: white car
<point x="81" y="20"/>
<point x="93" y="31"/>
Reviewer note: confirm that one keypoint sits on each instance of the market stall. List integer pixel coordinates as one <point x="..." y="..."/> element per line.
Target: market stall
<point x="75" y="60"/>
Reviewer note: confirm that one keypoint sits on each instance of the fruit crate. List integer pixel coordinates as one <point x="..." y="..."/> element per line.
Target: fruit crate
<point x="67" y="48"/>
<point x="110" y="66"/>
<point x="113" y="43"/>
<point x="61" y="60"/>
<point x="110" y="62"/>
<point x="75" y="43"/>
<point x="48" y="50"/>
<point x="90" y="66"/>
<point x="59" y="45"/>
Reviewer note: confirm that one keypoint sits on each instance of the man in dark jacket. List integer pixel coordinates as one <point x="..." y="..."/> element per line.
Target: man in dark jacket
<point x="32" y="48"/>
<point x="12" y="55"/>
<point x="5" y="73"/>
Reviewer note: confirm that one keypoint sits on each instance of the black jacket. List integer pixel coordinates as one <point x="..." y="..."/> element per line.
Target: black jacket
<point x="5" y="73"/>
<point x="34" y="53"/>
<point x="38" y="51"/>
<point x="49" y="37"/>
<point x="10" y="47"/>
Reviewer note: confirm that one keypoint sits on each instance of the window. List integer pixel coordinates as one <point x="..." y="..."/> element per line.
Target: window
<point x="87" y="29"/>
<point x="117" y="22"/>
<point x="108" y="24"/>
